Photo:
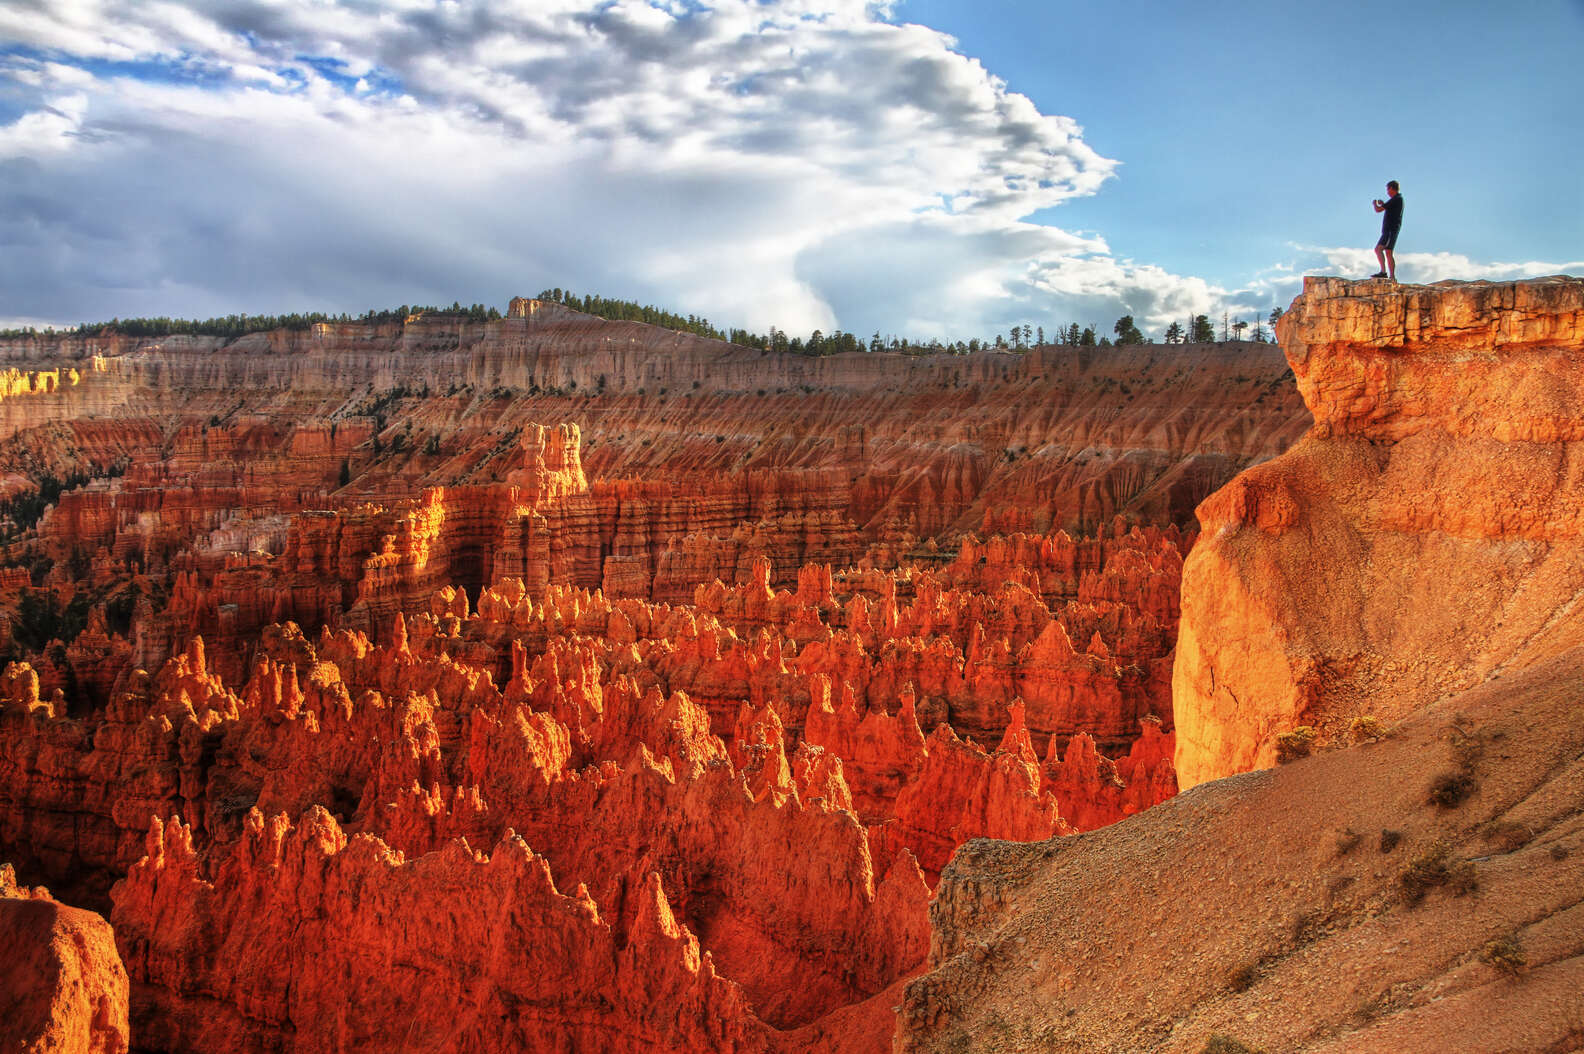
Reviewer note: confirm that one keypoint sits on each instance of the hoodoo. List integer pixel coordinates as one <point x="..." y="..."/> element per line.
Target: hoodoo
<point x="553" y="683"/>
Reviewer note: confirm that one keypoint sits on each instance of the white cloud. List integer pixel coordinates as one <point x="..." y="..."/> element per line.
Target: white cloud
<point x="1430" y="267"/>
<point x="48" y="130"/>
<point x="799" y="163"/>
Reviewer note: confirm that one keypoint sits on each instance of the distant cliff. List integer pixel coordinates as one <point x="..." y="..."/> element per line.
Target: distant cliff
<point x="1063" y="436"/>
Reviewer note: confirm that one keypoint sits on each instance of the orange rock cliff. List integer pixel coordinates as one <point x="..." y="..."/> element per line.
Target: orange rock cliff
<point x="1423" y="537"/>
<point x="363" y="660"/>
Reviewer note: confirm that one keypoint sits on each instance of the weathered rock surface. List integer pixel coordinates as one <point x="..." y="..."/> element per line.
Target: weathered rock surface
<point x="62" y="986"/>
<point x="1423" y="537"/>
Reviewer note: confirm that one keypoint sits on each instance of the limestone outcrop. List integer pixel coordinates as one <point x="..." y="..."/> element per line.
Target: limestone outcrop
<point x="1423" y="538"/>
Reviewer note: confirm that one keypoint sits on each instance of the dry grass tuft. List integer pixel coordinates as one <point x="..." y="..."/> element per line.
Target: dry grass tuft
<point x="1368" y="727"/>
<point x="1508" y="835"/>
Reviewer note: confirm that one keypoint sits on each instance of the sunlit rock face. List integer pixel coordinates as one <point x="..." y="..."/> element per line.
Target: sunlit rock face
<point x="63" y="987"/>
<point x="1426" y="535"/>
<point x="554" y="683"/>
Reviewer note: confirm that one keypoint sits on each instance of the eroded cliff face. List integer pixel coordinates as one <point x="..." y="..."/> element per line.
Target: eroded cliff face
<point x="1328" y="906"/>
<point x="1423" y="537"/>
<point x="360" y="660"/>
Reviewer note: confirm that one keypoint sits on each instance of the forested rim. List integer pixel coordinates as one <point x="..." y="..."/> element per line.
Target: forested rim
<point x="1199" y="330"/>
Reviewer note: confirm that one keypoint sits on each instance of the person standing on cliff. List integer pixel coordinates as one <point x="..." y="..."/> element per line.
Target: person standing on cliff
<point x="1391" y="223"/>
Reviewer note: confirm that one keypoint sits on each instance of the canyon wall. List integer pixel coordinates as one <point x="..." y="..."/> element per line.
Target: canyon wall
<point x="555" y="683"/>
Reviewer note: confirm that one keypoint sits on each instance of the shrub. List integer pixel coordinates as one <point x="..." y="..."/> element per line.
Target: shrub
<point x="1389" y="839"/>
<point x="1219" y="1044"/>
<point x="1299" y="743"/>
<point x="1450" y="789"/>
<point x="1506" y="955"/>
<point x="1367" y="727"/>
<point x="1435" y="867"/>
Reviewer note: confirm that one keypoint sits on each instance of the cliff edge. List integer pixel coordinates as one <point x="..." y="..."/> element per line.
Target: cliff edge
<point x="1424" y="536"/>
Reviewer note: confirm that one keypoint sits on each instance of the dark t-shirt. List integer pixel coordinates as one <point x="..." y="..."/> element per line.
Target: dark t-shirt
<point x="1391" y="220"/>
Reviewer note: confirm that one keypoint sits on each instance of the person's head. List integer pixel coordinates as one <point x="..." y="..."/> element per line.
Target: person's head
<point x="1391" y="188"/>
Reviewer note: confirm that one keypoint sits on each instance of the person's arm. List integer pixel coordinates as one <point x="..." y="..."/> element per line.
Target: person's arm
<point x="1380" y="206"/>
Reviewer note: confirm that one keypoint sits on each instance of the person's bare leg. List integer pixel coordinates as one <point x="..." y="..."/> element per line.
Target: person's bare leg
<point x="1380" y="259"/>
<point x="1391" y="265"/>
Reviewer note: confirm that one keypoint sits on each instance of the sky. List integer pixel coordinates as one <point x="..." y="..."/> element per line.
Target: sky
<point x="926" y="168"/>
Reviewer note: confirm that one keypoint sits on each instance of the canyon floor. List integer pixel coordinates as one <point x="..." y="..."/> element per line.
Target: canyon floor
<point x="561" y="684"/>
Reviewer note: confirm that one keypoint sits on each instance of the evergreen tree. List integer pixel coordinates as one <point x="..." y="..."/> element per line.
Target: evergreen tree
<point x="1203" y="331"/>
<point x="1127" y="332"/>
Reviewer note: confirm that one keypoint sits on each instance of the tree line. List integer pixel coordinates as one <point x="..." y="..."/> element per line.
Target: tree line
<point x="1199" y="330"/>
<point x="233" y="326"/>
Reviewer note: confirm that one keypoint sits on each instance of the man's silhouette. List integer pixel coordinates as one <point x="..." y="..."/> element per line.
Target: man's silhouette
<point x="1391" y="223"/>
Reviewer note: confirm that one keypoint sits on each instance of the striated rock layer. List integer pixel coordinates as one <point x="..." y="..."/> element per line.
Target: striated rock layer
<point x="1424" y="537"/>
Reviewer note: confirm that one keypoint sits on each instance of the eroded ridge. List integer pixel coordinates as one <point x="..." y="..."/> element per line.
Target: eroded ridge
<point x="1391" y="608"/>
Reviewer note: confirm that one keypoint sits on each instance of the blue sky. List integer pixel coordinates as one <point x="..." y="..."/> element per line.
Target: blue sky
<point x="1243" y="127"/>
<point x="928" y="167"/>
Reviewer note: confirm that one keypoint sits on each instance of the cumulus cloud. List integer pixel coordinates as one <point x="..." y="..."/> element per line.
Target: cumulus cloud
<point x="1428" y="267"/>
<point x="796" y="163"/>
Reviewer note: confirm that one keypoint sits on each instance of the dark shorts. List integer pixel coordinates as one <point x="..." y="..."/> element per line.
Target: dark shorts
<point x="1388" y="240"/>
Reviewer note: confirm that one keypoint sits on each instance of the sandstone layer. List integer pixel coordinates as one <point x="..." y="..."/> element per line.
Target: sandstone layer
<point x="1423" y="537"/>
